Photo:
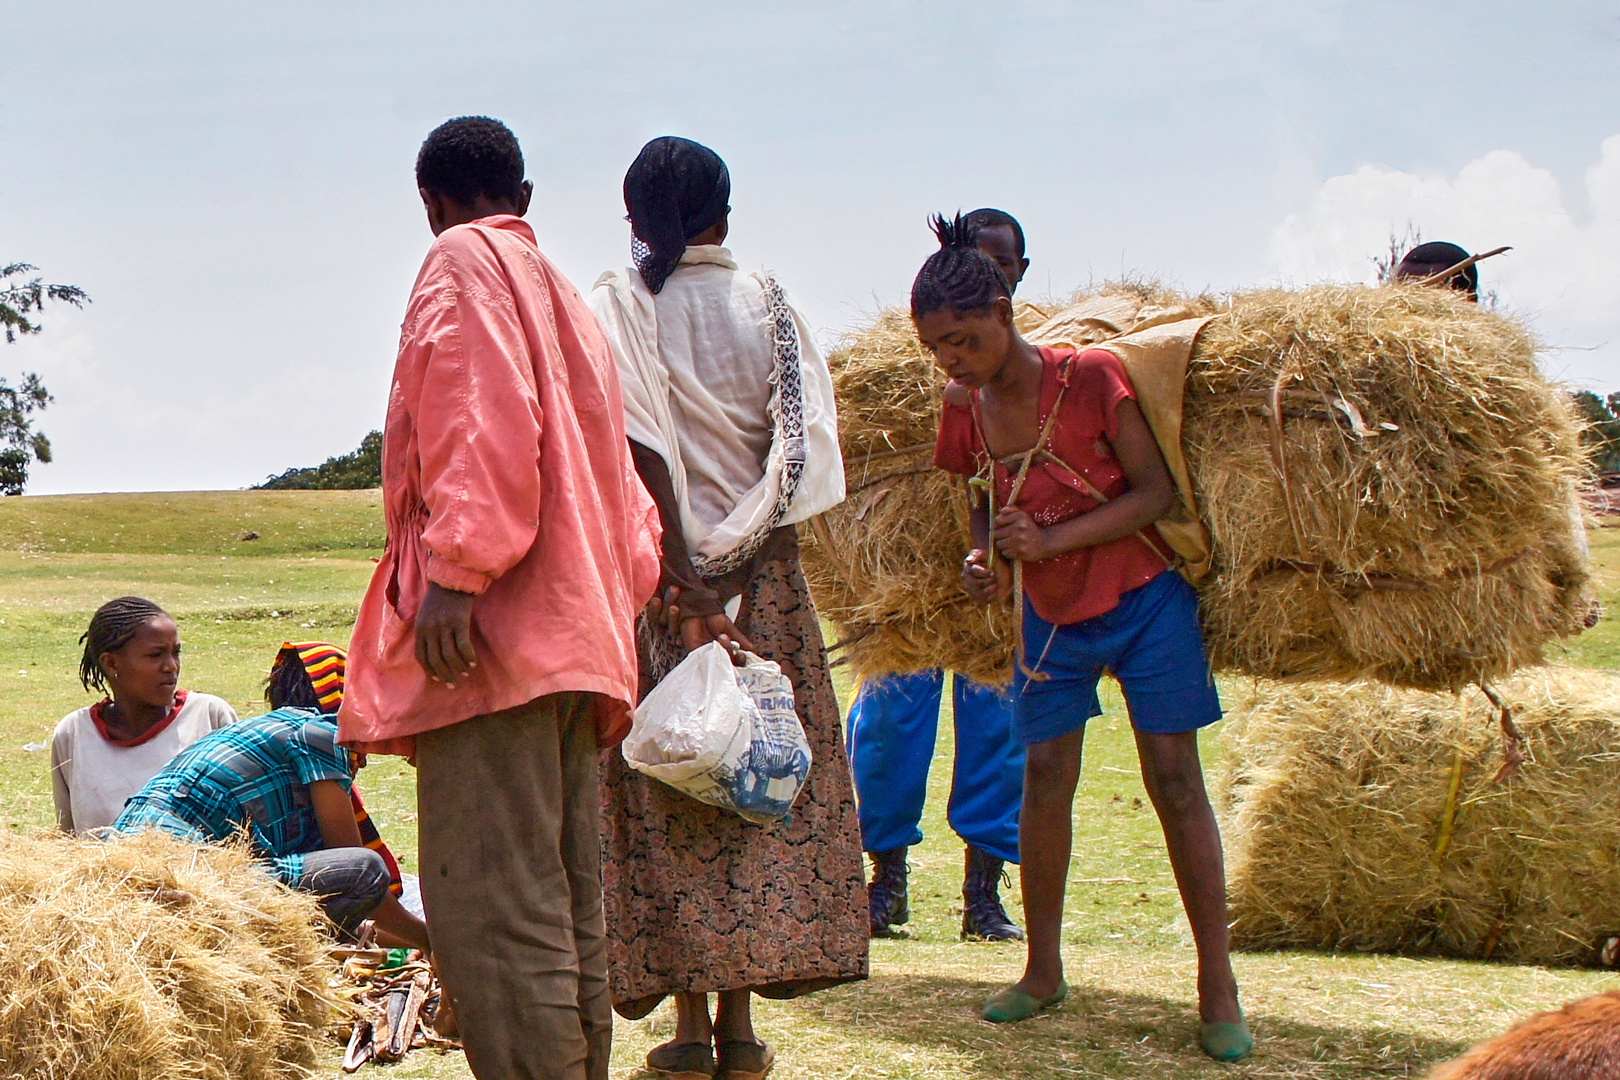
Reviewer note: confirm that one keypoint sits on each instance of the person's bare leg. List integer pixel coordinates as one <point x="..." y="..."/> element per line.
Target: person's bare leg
<point x="1045" y="833"/>
<point x="733" y="1018"/>
<point x="1175" y="782"/>
<point x="692" y="1023"/>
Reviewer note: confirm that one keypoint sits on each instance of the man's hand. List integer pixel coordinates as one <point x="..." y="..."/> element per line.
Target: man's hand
<point x="984" y="583"/>
<point x="1018" y="537"/>
<point x="444" y="634"/>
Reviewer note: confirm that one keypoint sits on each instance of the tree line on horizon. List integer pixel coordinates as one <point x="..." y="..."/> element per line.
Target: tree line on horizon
<point x="360" y="468"/>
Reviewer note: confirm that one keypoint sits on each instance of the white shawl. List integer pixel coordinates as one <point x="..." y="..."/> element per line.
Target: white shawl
<point x="803" y="471"/>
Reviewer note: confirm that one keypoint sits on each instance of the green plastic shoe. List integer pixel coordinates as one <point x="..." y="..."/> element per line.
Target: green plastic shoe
<point x="1226" y="1042"/>
<point x="1012" y="1004"/>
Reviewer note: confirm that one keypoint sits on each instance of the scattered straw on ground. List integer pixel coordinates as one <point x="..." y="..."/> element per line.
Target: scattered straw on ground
<point x="146" y="958"/>
<point x="1362" y="817"/>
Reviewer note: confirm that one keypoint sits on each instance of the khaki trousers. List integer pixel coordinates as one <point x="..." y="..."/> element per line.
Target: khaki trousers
<point x="511" y="882"/>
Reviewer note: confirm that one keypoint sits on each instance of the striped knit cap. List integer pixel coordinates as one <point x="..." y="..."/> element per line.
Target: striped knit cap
<point x="325" y="664"/>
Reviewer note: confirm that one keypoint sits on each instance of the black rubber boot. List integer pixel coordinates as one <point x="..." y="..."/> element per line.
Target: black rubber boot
<point x="890" y="905"/>
<point x="983" y="916"/>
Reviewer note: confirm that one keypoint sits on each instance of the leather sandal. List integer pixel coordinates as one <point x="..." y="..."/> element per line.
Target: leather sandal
<point x="742" y="1060"/>
<point x="682" y="1061"/>
<point x="1012" y="1004"/>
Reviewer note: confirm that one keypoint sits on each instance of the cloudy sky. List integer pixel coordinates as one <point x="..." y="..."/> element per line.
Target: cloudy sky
<point x="232" y="184"/>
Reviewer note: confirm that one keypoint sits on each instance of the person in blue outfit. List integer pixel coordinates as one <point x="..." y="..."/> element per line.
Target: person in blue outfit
<point x="282" y="782"/>
<point x="892" y="727"/>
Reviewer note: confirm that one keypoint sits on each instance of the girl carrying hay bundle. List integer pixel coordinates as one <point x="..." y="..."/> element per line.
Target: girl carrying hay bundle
<point x="1078" y="477"/>
<point x="103" y="753"/>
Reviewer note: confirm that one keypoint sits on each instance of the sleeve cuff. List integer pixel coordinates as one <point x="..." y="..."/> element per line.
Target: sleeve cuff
<point x="443" y="572"/>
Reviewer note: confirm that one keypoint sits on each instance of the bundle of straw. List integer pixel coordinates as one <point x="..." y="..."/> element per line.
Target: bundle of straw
<point x="1363" y="817"/>
<point x="147" y="958"/>
<point x="1389" y="482"/>
<point x="1387" y="478"/>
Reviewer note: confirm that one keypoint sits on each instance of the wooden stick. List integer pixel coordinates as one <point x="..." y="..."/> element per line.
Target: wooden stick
<point x="1447" y="274"/>
<point x="852" y="639"/>
<point x="1448" y="817"/>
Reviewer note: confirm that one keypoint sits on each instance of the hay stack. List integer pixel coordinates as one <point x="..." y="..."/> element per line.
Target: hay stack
<point x="1335" y="807"/>
<point x="1424" y="536"/>
<point x="147" y="958"/>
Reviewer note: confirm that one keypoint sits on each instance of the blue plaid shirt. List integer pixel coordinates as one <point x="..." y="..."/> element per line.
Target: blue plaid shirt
<point x="252" y="777"/>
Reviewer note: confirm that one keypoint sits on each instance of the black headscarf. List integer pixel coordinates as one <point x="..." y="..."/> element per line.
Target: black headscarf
<point x="1433" y="257"/>
<point x="675" y="189"/>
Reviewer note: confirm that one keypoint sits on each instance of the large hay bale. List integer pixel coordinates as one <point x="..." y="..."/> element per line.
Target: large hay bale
<point x="1368" y="818"/>
<point x="148" y="958"/>
<point x="1425" y="535"/>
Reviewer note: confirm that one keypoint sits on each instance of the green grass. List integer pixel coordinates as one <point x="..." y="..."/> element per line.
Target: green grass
<point x="1128" y="950"/>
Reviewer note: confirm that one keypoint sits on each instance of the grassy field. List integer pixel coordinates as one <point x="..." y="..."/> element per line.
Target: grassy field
<point x="1129" y="953"/>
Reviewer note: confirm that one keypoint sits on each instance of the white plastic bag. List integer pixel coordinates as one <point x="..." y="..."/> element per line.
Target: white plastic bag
<point x="725" y="735"/>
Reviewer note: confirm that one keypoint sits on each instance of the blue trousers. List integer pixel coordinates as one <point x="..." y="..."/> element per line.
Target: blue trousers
<point x="892" y="726"/>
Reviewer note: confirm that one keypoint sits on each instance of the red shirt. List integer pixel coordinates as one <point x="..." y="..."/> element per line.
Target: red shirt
<point x="1085" y="582"/>
<point x="505" y="473"/>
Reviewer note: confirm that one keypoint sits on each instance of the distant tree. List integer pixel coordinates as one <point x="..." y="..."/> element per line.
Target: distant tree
<point x="1602" y="434"/>
<point x="360" y="469"/>
<point x="19" y="442"/>
<point x="19" y="299"/>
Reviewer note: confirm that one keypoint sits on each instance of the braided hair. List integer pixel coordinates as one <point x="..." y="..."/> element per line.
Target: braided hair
<point x="958" y="276"/>
<point x="113" y="626"/>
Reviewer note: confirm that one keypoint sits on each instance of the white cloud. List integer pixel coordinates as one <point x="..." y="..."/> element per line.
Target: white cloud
<point x="1563" y="273"/>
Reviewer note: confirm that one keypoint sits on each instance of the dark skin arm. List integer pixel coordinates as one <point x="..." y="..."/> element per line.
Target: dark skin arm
<point x="334" y="813"/>
<point x="689" y="607"/>
<point x="1150" y="496"/>
<point x="1017" y="536"/>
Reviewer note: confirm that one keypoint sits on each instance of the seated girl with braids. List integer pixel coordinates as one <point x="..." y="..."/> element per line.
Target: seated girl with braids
<point x="282" y="781"/>
<point x="1076" y="481"/>
<point x="103" y="753"/>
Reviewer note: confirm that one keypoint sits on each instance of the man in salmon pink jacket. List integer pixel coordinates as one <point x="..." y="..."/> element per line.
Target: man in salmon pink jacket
<point x="496" y="644"/>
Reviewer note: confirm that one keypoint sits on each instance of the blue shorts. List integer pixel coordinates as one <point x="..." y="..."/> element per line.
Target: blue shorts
<point x="1151" y="643"/>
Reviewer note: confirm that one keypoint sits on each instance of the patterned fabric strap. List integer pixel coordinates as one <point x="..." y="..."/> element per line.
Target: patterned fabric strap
<point x="786" y="410"/>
